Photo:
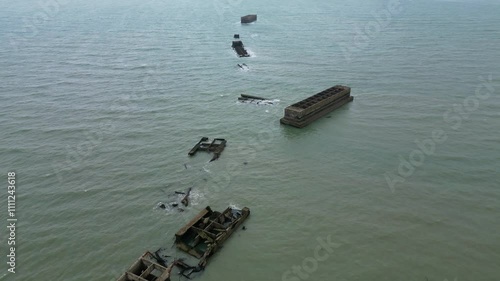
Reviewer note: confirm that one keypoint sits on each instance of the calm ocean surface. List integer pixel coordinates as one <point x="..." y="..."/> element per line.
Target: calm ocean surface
<point x="102" y="100"/>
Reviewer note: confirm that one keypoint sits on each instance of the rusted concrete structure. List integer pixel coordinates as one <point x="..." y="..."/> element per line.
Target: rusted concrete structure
<point x="205" y="233"/>
<point x="303" y="113"/>
<point x="239" y="48"/>
<point x="201" y="237"/>
<point x="146" y="268"/>
<point x="248" y="18"/>
<point x="216" y="147"/>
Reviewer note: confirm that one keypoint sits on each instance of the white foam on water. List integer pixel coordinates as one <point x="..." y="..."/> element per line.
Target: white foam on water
<point x="251" y="53"/>
<point x="234" y="206"/>
<point x="206" y="169"/>
<point x="195" y="197"/>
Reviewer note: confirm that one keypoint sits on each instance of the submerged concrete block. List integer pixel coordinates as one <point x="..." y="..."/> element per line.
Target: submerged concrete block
<point x="239" y="48"/>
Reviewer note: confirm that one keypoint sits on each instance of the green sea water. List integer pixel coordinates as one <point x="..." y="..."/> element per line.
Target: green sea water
<point x="102" y="100"/>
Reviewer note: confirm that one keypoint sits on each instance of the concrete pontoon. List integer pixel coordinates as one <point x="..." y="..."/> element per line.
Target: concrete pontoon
<point x="248" y="18"/>
<point x="303" y="113"/>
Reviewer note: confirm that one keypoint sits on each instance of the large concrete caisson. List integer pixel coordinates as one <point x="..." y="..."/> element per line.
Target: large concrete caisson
<point x="248" y="18"/>
<point x="303" y="113"/>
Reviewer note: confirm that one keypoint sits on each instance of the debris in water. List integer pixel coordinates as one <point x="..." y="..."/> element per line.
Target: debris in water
<point x="204" y="234"/>
<point x="243" y="66"/>
<point x="148" y="267"/>
<point x="201" y="238"/>
<point x="185" y="200"/>
<point x="216" y="147"/>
